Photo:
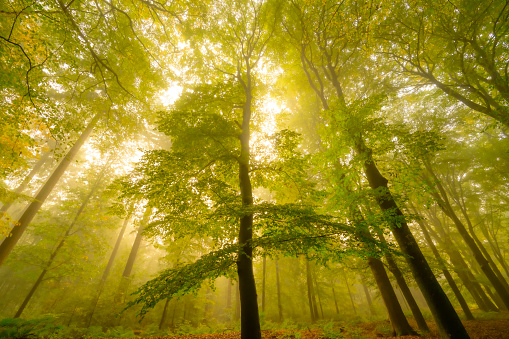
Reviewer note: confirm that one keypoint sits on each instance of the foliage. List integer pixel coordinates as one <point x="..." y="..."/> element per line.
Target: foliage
<point x="418" y="85"/>
<point x="33" y="328"/>
<point x="457" y="48"/>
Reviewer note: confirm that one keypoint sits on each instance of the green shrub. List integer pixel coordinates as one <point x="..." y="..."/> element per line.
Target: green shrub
<point x="22" y="328"/>
<point x="119" y="332"/>
<point x="384" y="328"/>
<point x="330" y="333"/>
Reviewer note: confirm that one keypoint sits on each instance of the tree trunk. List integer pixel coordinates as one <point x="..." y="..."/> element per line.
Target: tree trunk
<point x="310" y="292"/>
<point x="373" y="262"/>
<point x="18" y="230"/>
<point x="263" y="284"/>
<point x="446" y="318"/>
<point x="335" y="300"/>
<point x="400" y="279"/>
<point x="483" y="250"/>
<point x="106" y="272"/>
<point x="280" y="308"/>
<point x="397" y="318"/>
<point x="173" y="315"/>
<point x="445" y="271"/>
<point x="462" y="205"/>
<point x="444" y="204"/>
<point x="184" y="316"/>
<point x="494" y="247"/>
<point x="249" y="317"/>
<point x="237" y="301"/>
<point x="38" y="165"/>
<point x="368" y="299"/>
<point x="59" y="246"/>
<point x="163" y="316"/>
<point x="124" y="282"/>
<point x="72" y="315"/>
<point x="448" y="322"/>
<point x="460" y="266"/>
<point x="317" y="289"/>
<point x="229" y="296"/>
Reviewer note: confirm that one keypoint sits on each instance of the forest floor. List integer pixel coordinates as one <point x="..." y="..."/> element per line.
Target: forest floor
<point x="477" y="329"/>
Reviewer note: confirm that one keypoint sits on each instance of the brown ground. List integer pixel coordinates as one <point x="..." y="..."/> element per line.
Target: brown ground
<point x="477" y="329"/>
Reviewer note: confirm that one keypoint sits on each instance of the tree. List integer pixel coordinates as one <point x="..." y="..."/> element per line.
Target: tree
<point x="107" y="270"/>
<point x="443" y="201"/>
<point x="457" y="47"/>
<point x="325" y="50"/>
<point x="18" y="230"/>
<point x="243" y="45"/>
<point x="445" y="271"/>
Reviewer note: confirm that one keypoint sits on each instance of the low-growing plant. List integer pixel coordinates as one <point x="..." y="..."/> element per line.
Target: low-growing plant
<point x="119" y="332"/>
<point x="33" y="328"/>
<point x="329" y="332"/>
<point x="384" y="328"/>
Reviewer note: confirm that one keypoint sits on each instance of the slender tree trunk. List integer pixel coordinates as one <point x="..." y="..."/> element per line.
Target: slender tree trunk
<point x="335" y="299"/>
<point x="38" y="165"/>
<point x="263" y="284"/>
<point x="72" y="315"/>
<point x="397" y="318"/>
<point x="488" y="257"/>
<point x="445" y="271"/>
<point x="207" y="309"/>
<point x="462" y="205"/>
<point x="310" y="292"/>
<point x="348" y="286"/>
<point x="124" y="282"/>
<point x="317" y="289"/>
<point x="495" y="248"/>
<point x="368" y="299"/>
<point x="229" y="296"/>
<point x="485" y="289"/>
<point x="18" y="230"/>
<point x="400" y="279"/>
<point x="237" y="302"/>
<point x="279" y="306"/>
<point x="249" y="317"/>
<point x="59" y="246"/>
<point x="313" y="295"/>
<point x="494" y="297"/>
<point x="106" y="273"/>
<point x="184" y="316"/>
<point x="173" y="315"/>
<point x="444" y="204"/>
<point x="35" y="286"/>
<point x="163" y="316"/>
<point x="460" y="266"/>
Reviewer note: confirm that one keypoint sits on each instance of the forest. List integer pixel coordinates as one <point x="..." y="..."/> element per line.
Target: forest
<point x="254" y="168"/>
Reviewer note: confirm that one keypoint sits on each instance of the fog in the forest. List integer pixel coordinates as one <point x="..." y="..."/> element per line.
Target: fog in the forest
<point x="282" y="169"/>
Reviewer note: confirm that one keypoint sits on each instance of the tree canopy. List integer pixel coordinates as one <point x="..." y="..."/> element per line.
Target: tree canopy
<point x="220" y="138"/>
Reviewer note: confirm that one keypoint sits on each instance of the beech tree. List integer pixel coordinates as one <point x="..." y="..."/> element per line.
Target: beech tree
<point x="275" y="143"/>
<point x="326" y="51"/>
<point x="458" y="47"/>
